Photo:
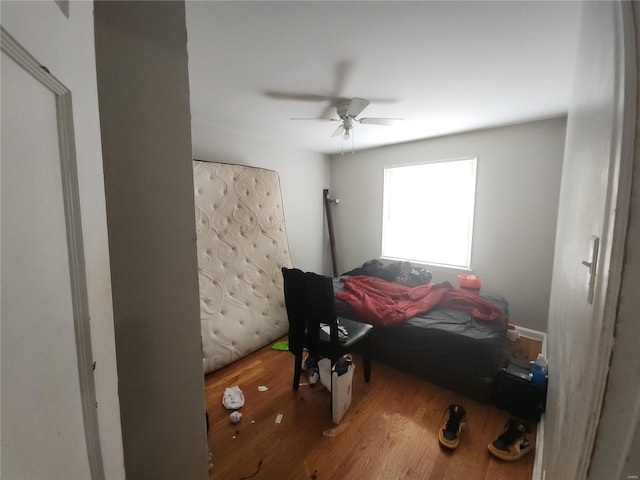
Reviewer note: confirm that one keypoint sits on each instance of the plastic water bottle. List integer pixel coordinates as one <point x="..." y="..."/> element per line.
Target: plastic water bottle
<point x="539" y="371"/>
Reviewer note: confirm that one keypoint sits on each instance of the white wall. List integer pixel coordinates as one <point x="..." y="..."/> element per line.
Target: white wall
<point x="66" y="47"/>
<point x="518" y="183"/>
<point x="303" y="176"/>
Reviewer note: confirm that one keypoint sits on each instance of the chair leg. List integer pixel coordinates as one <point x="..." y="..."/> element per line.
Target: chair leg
<point x="366" y="358"/>
<point x="296" y="371"/>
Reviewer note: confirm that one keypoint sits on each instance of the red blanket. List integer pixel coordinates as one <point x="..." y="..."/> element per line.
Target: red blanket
<point x="382" y="303"/>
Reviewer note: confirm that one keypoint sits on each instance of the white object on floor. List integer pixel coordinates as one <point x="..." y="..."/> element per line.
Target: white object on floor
<point x="263" y="388"/>
<point x="324" y="365"/>
<point x="313" y="377"/>
<point x="233" y="398"/>
<point x="341" y="394"/>
<point x="279" y="418"/>
<point x="235" y="417"/>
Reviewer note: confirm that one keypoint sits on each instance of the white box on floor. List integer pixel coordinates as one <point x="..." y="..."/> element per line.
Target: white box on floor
<point x="341" y="393"/>
<point x="324" y="366"/>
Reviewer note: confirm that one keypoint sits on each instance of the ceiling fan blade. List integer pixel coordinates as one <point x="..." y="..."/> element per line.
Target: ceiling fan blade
<point x="356" y="106"/>
<point x="338" y="131"/>
<point x="381" y="121"/>
<point x="318" y="119"/>
<point x="330" y="109"/>
<point x="300" y="97"/>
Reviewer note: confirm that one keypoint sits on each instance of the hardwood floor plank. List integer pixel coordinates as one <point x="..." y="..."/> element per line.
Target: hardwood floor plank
<point x="389" y="432"/>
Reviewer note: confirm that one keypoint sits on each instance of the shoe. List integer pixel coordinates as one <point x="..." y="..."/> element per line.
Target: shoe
<point x="308" y="363"/>
<point x="513" y="443"/>
<point x="450" y="431"/>
<point x="314" y="376"/>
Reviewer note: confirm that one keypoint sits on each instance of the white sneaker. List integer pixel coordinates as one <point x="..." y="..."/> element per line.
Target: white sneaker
<point x="314" y="376"/>
<point x="308" y="363"/>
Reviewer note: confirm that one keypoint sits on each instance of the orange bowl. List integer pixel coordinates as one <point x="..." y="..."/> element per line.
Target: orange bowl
<point x="470" y="281"/>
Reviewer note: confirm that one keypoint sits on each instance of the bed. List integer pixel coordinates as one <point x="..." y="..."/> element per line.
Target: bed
<point x="447" y="346"/>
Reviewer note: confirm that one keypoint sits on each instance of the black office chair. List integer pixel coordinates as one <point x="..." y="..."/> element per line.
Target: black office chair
<point x="310" y="301"/>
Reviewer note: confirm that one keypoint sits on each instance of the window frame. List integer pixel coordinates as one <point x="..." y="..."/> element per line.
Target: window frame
<point x="473" y="196"/>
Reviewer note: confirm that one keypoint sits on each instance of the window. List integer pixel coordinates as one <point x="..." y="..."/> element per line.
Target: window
<point x="428" y="212"/>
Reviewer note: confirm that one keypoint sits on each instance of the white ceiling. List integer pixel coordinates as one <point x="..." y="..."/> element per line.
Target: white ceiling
<point x="444" y="67"/>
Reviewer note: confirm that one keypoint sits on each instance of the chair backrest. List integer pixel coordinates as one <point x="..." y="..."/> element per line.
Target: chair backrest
<point x="294" y="299"/>
<point x="321" y="302"/>
<point x="309" y="300"/>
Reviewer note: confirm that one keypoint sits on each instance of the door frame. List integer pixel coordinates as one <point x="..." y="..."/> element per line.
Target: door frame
<point x="75" y="248"/>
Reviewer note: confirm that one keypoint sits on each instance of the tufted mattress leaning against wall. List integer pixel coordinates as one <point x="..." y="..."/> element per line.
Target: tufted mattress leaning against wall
<point x="242" y="245"/>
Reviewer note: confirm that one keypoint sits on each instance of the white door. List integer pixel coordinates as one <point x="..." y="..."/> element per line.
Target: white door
<point x="43" y="432"/>
<point x="594" y="203"/>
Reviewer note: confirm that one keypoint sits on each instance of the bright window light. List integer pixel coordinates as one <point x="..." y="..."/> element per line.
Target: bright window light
<point x="428" y="212"/>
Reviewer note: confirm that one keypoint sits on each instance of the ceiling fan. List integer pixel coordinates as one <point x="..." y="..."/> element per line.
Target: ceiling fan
<point x="348" y="109"/>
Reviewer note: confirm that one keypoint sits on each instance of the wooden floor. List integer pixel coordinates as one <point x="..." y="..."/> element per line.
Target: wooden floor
<point x="389" y="432"/>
